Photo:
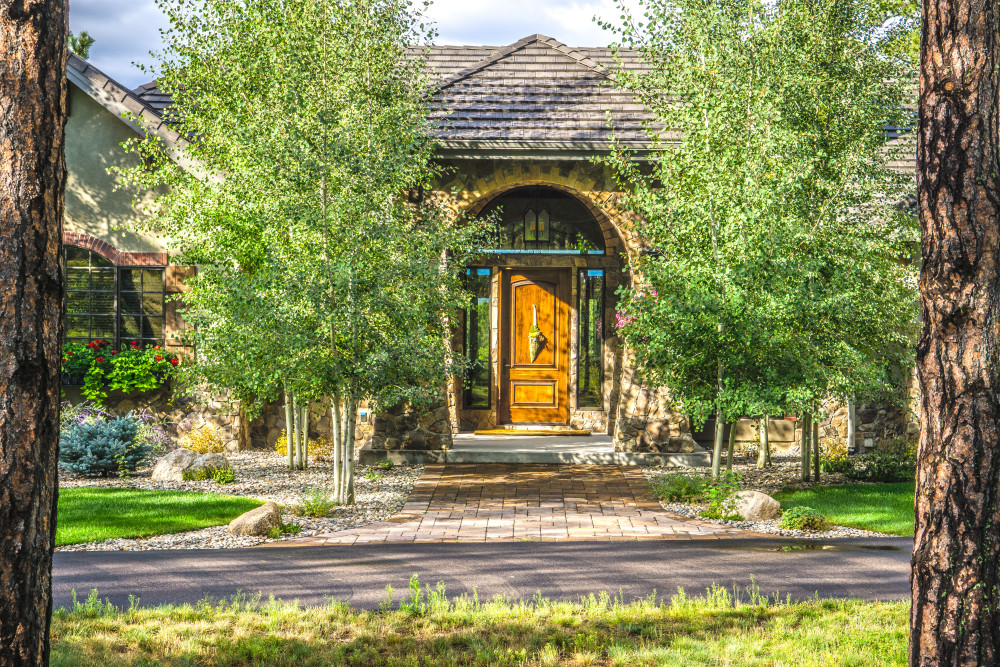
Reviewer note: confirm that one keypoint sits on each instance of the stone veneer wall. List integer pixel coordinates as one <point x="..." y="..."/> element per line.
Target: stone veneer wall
<point x="263" y="432"/>
<point x="180" y="412"/>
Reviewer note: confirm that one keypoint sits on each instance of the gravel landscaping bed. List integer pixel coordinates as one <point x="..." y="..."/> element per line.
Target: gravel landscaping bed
<point x="264" y="476"/>
<point x="784" y="474"/>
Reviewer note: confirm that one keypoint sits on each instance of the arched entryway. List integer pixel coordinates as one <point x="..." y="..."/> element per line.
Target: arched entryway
<point x="536" y="334"/>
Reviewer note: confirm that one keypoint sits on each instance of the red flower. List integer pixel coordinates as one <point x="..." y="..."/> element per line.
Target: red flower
<point x="70" y="353"/>
<point x="92" y="343"/>
<point x="135" y="345"/>
<point x="159" y="358"/>
<point x="156" y="347"/>
<point x="100" y="360"/>
<point x="174" y="361"/>
<point x="114" y="351"/>
<point x="64" y="360"/>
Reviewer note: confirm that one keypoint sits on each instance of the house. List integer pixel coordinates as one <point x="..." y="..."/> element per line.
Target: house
<point x="520" y="127"/>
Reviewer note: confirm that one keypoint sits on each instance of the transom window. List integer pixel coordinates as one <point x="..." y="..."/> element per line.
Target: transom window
<point x="119" y="304"/>
<point x="539" y="219"/>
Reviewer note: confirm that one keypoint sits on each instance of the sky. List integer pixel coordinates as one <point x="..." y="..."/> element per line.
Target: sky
<point x="125" y="31"/>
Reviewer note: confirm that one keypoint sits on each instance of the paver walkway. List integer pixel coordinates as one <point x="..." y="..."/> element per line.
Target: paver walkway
<point x="487" y="502"/>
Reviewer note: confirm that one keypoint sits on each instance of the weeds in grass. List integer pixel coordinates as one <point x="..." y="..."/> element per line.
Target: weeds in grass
<point x="725" y="626"/>
<point x="315" y="502"/>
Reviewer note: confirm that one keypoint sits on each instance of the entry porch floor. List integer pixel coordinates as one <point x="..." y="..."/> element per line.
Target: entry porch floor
<point x="595" y="449"/>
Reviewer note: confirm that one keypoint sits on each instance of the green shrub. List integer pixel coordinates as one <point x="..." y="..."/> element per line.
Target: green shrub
<point x="884" y="467"/>
<point x="217" y="475"/>
<point x="275" y="532"/>
<point x="316" y="502"/>
<point x="680" y="487"/>
<point x="97" y="446"/>
<point x="719" y="493"/>
<point x="803" y="518"/>
<point x="841" y="463"/>
<point x="385" y="464"/>
<point x="205" y="440"/>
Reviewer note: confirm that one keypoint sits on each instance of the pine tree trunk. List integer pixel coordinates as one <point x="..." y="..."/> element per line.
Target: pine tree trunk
<point x="955" y="613"/>
<point x="33" y="36"/>
<point x="804" y="444"/>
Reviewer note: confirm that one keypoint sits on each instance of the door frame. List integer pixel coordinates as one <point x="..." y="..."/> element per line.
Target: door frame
<point x="562" y="277"/>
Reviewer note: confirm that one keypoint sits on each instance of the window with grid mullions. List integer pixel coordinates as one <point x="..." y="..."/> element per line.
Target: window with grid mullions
<point x="119" y="304"/>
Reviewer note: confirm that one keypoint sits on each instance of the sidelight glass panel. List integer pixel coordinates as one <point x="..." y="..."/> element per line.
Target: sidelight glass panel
<point x="477" y="339"/>
<point x="590" y="340"/>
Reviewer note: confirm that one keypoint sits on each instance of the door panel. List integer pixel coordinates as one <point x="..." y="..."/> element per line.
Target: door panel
<point x="535" y="360"/>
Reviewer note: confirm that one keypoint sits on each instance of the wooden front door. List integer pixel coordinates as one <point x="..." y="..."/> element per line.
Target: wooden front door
<point x="534" y="359"/>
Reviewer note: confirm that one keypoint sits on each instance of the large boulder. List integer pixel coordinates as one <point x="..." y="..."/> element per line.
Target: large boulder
<point x="171" y="468"/>
<point x="257" y="521"/>
<point x="756" y="506"/>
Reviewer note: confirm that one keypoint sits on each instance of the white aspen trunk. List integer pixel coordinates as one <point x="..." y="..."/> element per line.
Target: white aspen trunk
<point x="732" y="446"/>
<point x="805" y="445"/>
<point x="764" y="452"/>
<point x="288" y="430"/>
<point x="815" y="436"/>
<point x="352" y="411"/>
<point x="338" y="442"/>
<point x="304" y="439"/>
<point x="295" y="427"/>
<point x="720" y="429"/>
<point x="852" y="426"/>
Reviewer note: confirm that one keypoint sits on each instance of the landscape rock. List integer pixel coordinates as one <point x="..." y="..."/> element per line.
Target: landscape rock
<point x="171" y="467"/>
<point x="756" y="506"/>
<point x="257" y="521"/>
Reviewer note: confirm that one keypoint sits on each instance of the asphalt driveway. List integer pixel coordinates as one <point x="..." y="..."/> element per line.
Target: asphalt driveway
<point x="875" y="569"/>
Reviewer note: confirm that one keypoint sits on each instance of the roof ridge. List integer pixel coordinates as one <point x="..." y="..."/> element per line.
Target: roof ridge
<point x="520" y="44"/>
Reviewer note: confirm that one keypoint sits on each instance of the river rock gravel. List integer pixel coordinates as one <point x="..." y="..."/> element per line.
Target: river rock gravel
<point x="785" y="473"/>
<point x="263" y="475"/>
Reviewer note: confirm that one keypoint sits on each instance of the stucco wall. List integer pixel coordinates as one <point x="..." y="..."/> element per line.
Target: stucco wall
<point x="93" y="205"/>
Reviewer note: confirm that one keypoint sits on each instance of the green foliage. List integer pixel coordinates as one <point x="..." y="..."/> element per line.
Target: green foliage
<point x="384" y="464"/>
<point x="720" y="492"/>
<point x="217" y="475"/>
<point x="204" y="440"/>
<point x="771" y="206"/>
<point x="129" y="369"/>
<point x="680" y="486"/>
<point x="98" y="447"/>
<point x="884" y="467"/>
<point x="841" y="463"/>
<point x="91" y="514"/>
<point x="80" y="44"/>
<point x="275" y="532"/>
<point x="803" y="518"/>
<point x="316" y="502"/>
<point x="718" y="627"/>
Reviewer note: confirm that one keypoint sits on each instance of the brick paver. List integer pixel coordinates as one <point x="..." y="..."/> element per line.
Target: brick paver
<point x="486" y="502"/>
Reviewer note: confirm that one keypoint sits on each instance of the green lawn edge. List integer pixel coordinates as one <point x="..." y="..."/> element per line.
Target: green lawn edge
<point x="92" y="514"/>
<point x="885" y="508"/>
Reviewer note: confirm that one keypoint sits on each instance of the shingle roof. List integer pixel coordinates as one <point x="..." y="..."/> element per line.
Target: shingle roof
<point x="534" y="98"/>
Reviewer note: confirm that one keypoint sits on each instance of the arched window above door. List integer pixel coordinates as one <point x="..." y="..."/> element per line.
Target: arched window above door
<point x="540" y="219"/>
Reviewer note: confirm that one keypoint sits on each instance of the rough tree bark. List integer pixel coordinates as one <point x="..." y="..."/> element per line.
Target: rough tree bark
<point x="33" y="37"/>
<point x="955" y="617"/>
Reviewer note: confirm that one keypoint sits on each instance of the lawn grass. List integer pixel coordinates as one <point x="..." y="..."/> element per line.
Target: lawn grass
<point x="713" y="630"/>
<point x="886" y="508"/>
<point x="88" y="514"/>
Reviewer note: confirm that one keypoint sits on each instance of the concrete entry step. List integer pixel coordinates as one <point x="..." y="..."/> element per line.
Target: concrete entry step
<point x="545" y="449"/>
<point x="522" y="432"/>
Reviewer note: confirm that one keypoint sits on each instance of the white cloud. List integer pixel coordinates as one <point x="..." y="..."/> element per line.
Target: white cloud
<point x="126" y="31"/>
